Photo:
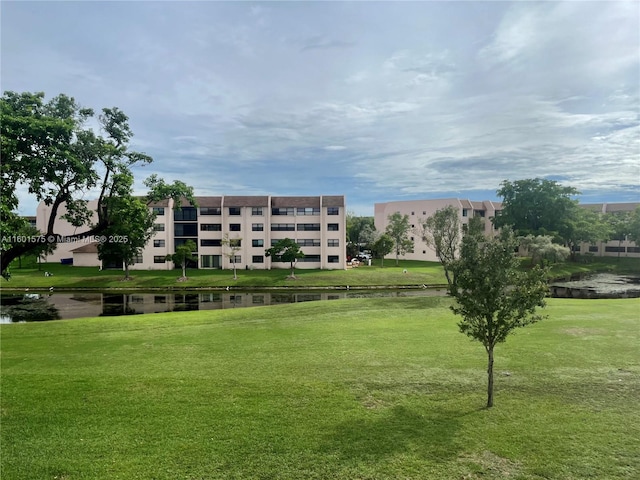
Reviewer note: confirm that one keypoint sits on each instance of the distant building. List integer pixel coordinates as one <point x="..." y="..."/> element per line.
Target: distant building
<point x="317" y="223"/>
<point x="418" y="210"/>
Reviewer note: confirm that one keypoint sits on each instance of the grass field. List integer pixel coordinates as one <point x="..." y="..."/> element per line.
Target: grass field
<point x="417" y="273"/>
<point x="348" y="389"/>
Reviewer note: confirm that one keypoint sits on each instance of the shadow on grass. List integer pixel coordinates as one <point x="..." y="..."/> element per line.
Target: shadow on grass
<point x="399" y="430"/>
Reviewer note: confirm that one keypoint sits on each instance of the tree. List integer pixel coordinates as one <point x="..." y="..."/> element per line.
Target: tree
<point x="541" y="248"/>
<point x="442" y="232"/>
<point x="382" y="247"/>
<point x="537" y="207"/>
<point x="356" y="227"/>
<point x="233" y="246"/>
<point x="493" y="295"/>
<point x="634" y="227"/>
<point x="129" y="231"/>
<point x="586" y="226"/>
<point x="46" y="147"/>
<point x="286" y="250"/>
<point x="398" y="229"/>
<point x="184" y="254"/>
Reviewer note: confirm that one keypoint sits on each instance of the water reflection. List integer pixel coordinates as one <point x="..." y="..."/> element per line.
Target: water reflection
<point x="95" y="304"/>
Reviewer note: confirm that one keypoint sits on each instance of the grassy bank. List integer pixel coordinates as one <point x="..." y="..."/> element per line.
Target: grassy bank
<point x="417" y="273"/>
<point x="367" y="389"/>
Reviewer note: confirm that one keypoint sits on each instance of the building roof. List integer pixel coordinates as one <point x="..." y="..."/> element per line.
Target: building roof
<point x="246" y="201"/>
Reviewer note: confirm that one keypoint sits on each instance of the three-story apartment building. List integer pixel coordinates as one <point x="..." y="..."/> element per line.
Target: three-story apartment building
<point x="251" y="223"/>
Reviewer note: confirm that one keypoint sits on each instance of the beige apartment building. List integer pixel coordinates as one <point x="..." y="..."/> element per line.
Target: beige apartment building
<point x="418" y="210"/>
<point x="254" y="223"/>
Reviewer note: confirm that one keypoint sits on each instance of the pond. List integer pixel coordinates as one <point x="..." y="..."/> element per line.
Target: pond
<point x="20" y="307"/>
<point x="601" y="285"/>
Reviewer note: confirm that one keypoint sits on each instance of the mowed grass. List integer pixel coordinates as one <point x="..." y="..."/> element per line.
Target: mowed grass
<point x="350" y="389"/>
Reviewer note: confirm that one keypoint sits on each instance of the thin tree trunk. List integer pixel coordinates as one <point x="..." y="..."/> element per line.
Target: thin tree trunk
<point x="490" y="378"/>
<point x="184" y="268"/>
<point x="126" y="271"/>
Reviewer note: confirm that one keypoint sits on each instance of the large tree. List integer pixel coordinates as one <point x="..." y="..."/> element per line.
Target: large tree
<point x="398" y="228"/>
<point x="48" y="147"/>
<point x="442" y="232"/>
<point x="537" y="207"/>
<point x="286" y="250"/>
<point x="493" y="295"/>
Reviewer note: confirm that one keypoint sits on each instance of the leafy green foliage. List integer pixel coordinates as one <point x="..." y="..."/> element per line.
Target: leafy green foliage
<point x="442" y="232"/>
<point x="383" y="246"/>
<point x="398" y="230"/>
<point x="542" y="249"/>
<point x="537" y="207"/>
<point x="183" y="255"/>
<point x="493" y="295"/>
<point x="232" y="247"/>
<point x="359" y="233"/>
<point x="286" y="250"/>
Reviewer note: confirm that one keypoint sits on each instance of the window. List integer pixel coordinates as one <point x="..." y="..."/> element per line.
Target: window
<point x="186" y="229"/>
<point x="283" y="227"/>
<point x="257" y="242"/>
<point x="235" y="242"/>
<point x="310" y="258"/>
<point x="465" y="212"/>
<point x="234" y="227"/>
<point x="208" y="261"/>
<point x="257" y="259"/>
<point x="185" y="214"/>
<point x="308" y="242"/>
<point x="308" y="227"/>
<point x="333" y="210"/>
<point x="158" y="210"/>
<point x="210" y="227"/>
<point x="158" y="243"/>
<point x="257" y="227"/>
<point x="182" y="241"/>
<point x="137" y="259"/>
<point x="413" y="213"/>
<point x="159" y="259"/>
<point x="575" y="248"/>
<point x="210" y="242"/>
<point x="282" y="211"/>
<point x="593" y="248"/>
<point x="333" y="259"/>
<point x="478" y="213"/>
<point x="158" y="227"/>
<point x="424" y="212"/>
<point x="633" y="249"/>
<point x="235" y="259"/>
<point x="210" y="211"/>
<point x="332" y="227"/>
<point x="308" y="211"/>
<point x="234" y="210"/>
<point x="332" y="242"/>
<point x="614" y="249"/>
<point x="256" y="211"/>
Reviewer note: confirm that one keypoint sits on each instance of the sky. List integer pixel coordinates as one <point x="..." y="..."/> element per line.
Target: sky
<point x="377" y="101"/>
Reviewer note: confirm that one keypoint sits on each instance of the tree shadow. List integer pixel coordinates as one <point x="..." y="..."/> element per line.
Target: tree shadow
<point x="428" y="434"/>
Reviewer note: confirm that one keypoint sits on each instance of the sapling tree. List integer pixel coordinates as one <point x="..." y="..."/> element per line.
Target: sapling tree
<point x="383" y="246"/>
<point x="493" y="295"/>
<point x="286" y="250"/>
<point x="442" y="232"/>
<point x="398" y="230"/>
<point x="184" y="254"/>
<point x="232" y="247"/>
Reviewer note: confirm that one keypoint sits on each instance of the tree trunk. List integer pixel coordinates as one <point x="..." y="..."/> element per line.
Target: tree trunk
<point x="184" y="268"/>
<point x="490" y="378"/>
<point x="126" y="271"/>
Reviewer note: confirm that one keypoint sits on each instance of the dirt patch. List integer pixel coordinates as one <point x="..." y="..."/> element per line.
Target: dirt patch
<point x="488" y="465"/>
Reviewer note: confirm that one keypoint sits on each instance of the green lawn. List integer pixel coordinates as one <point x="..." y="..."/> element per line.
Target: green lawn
<point x="348" y="389"/>
<point x="417" y="273"/>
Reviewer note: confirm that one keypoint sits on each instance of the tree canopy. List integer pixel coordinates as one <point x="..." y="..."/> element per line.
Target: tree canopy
<point x="493" y="295"/>
<point x="286" y="250"/>
<point x="48" y="147"/>
<point x="442" y="232"/>
<point x="398" y="230"/>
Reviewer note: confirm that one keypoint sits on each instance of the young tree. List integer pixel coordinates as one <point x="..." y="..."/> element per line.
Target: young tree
<point x="382" y="247"/>
<point x="233" y="246"/>
<point x="184" y="254"/>
<point x="356" y="231"/>
<point x="442" y="232"/>
<point x="493" y="295"/>
<point x="398" y="229"/>
<point x="286" y="250"/>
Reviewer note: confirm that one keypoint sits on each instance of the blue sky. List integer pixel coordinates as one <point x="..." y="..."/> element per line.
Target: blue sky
<point x="378" y="101"/>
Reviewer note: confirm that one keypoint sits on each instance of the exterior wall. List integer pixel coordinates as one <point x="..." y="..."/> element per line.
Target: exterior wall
<point x="419" y="210"/>
<point x="239" y="213"/>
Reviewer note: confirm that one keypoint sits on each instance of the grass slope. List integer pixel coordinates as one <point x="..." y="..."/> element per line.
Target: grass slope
<point x="353" y="389"/>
